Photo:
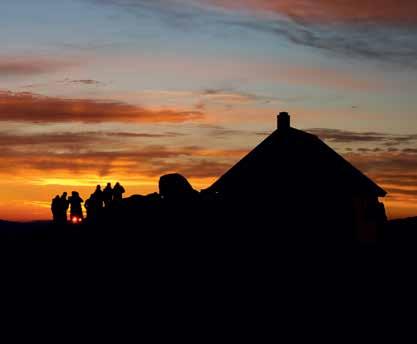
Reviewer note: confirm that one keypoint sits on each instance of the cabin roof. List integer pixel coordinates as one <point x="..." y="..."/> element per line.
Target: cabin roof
<point x="290" y="155"/>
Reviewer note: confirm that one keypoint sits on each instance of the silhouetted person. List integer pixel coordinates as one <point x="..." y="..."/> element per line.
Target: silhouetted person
<point x="107" y="195"/>
<point x="88" y="205"/>
<point x="98" y="196"/>
<point x="75" y="201"/>
<point x="63" y="207"/>
<point x="118" y="192"/>
<point x="55" y="208"/>
<point x="92" y="206"/>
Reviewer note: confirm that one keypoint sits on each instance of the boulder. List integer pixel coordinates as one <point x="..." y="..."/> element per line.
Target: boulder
<point x="176" y="187"/>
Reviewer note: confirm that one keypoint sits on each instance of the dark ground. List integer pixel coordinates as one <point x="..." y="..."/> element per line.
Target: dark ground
<point x="194" y="280"/>
<point x="186" y="241"/>
<point x="396" y="232"/>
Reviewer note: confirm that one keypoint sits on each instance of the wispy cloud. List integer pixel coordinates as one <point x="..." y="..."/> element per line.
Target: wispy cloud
<point x="179" y="13"/>
<point x="88" y="82"/>
<point x="66" y="81"/>
<point x="16" y="66"/>
<point x="219" y="95"/>
<point x="233" y="96"/>
<point x="47" y="140"/>
<point x="29" y="107"/>
<point x="345" y="136"/>
<point x="125" y="134"/>
<point x="395" y="44"/>
<point x="385" y="31"/>
<point x="83" y="140"/>
<point x="79" y="156"/>
<point x="104" y="152"/>
<point x="386" y="11"/>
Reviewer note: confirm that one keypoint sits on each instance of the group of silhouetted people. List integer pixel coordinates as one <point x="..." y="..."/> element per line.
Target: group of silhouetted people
<point x="60" y="205"/>
<point x="98" y="200"/>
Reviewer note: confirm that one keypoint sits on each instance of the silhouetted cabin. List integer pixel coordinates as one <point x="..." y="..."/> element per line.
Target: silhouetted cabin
<point x="295" y="183"/>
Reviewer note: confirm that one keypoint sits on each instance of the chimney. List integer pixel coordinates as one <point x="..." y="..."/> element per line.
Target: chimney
<point x="283" y="121"/>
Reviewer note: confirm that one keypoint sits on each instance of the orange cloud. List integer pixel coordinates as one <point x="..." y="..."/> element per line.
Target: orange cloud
<point x="101" y="153"/>
<point x="29" y="107"/>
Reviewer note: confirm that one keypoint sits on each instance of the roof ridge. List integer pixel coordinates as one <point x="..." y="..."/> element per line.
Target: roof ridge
<point x="298" y="139"/>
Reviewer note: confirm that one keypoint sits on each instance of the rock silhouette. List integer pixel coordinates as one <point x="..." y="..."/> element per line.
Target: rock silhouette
<point x="175" y="187"/>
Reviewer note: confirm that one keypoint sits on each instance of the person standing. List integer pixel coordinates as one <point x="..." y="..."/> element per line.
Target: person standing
<point x="63" y="208"/>
<point x="76" y="211"/>
<point x="55" y="208"/>
<point x="97" y="196"/>
<point x="118" y="192"/>
<point x="107" y="195"/>
<point x="93" y="206"/>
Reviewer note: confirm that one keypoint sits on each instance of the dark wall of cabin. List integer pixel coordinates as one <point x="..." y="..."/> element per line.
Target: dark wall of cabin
<point x="311" y="215"/>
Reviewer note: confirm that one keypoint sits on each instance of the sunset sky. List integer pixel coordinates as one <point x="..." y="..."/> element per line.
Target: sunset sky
<point x="127" y="90"/>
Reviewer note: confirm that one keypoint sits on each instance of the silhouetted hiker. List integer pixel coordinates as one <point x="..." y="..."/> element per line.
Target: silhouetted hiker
<point x="98" y="196"/>
<point x="88" y="205"/>
<point x="107" y="195"/>
<point x="93" y="206"/>
<point x="55" y="208"/>
<point x="63" y="207"/>
<point x="118" y="192"/>
<point x="76" y="212"/>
